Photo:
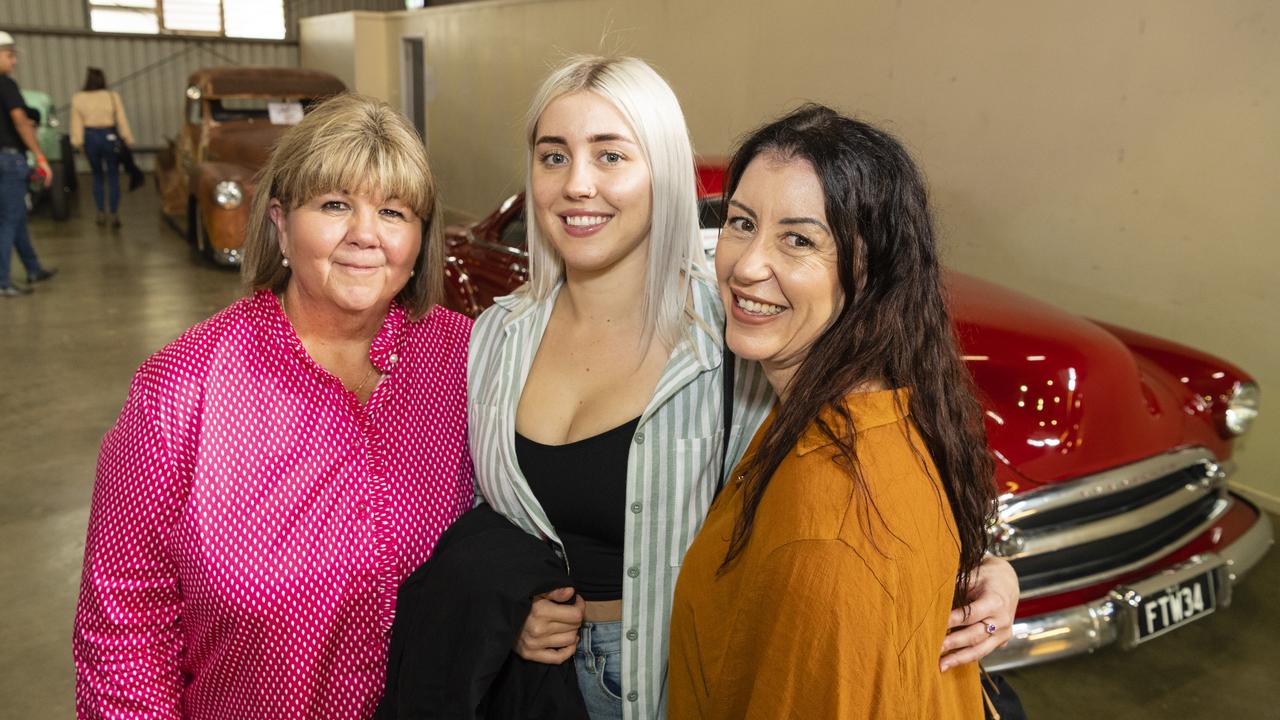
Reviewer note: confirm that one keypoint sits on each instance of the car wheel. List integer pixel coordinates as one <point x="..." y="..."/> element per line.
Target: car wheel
<point x="193" y="224"/>
<point x="69" y="165"/>
<point x="206" y="248"/>
<point x="203" y="247"/>
<point x="59" y="195"/>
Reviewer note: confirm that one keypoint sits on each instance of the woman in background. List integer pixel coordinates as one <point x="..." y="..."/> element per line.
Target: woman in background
<point x="821" y="584"/>
<point x="98" y="125"/>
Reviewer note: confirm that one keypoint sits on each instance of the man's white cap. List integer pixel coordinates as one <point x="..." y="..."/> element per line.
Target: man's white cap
<point x="6" y="40"/>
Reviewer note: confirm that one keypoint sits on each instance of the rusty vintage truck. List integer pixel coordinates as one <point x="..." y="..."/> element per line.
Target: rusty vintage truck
<point x="232" y="117"/>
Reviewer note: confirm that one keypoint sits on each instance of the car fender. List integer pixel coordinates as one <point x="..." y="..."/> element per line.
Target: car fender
<point x="225" y="227"/>
<point x="458" y="290"/>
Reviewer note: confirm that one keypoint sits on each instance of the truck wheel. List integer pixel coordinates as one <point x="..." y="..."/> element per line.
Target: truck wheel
<point x="193" y="224"/>
<point x="203" y="248"/>
<point x="206" y="248"/>
<point x="69" y="164"/>
<point x="59" y="195"/>
<point x="198" y="236"/>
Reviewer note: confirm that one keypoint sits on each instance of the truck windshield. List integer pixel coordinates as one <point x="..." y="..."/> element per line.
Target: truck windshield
<point x="234" y="108"/>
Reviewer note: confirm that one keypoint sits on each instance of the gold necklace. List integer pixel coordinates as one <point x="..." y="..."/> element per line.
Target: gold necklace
<point x="371" y="373"/>
<point x="373" y="369"/>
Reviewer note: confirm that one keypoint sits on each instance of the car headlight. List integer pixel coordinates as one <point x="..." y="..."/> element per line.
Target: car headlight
<point x="1242" y="408"/>
<point x="228" y="194"/>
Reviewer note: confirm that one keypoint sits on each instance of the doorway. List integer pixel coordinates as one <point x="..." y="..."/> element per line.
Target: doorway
<point x="413" y="80"/>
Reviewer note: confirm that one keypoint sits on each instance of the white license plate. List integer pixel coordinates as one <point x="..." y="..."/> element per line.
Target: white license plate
<point x="1173" y="606"/>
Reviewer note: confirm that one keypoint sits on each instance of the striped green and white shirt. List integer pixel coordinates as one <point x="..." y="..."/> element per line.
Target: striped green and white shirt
<point x="673" y="468"/>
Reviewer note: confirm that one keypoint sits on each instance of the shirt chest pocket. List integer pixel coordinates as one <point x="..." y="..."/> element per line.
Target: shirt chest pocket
<point x="694" y="474"/>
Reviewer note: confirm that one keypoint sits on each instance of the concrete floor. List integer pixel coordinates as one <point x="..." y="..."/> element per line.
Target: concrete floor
<point x="70" y="349"/>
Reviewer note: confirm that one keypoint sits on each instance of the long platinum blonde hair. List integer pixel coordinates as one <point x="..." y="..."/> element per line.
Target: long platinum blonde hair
<point x="651" y="108"/>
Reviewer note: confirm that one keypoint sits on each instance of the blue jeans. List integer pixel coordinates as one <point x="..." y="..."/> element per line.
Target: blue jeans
<point x="13" y="215"/>
<point x="598" y="661"/>
<point x="100" y="149"/>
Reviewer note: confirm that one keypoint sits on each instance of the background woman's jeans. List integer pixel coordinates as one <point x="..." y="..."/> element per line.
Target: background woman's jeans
<point x="598" y="661"/>
<point x="100" y="149"/>
<point x="13" y="215"/>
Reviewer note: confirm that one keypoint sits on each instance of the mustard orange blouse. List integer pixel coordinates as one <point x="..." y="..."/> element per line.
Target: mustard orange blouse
<point x="835" y="608"/>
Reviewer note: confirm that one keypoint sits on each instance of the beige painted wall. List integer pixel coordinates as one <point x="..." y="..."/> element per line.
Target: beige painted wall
<point x="326" y="43"/>
<point x="354" y="47"/>
<point x="1118" y="159"/>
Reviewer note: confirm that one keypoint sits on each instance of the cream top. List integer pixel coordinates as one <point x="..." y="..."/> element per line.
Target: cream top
<point x="98" y="109"/>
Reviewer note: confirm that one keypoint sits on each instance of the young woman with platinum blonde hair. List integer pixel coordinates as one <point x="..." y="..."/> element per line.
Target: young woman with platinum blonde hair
<point x="654" y="116"/>
<point x="596" y="393"/>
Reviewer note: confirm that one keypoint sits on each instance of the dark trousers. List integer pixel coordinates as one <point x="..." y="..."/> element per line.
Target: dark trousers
<point x="100" y="149"/>
<point x="1007" y="704"/>
<point x="13" y="215"/>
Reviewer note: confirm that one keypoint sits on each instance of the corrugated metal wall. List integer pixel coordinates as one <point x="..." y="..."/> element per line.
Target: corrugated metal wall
<point x="150" y="72"/>
<point x="44" y="13"/>
<point x="70" y="14"/>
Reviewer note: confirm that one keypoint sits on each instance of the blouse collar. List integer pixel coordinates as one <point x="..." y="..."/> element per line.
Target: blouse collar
<point x="705" y="332"/>
<point x="868" y="409"/>
<point x="384" y="352"/>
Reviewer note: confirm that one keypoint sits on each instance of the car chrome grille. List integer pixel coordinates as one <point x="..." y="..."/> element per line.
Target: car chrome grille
<point x="1085" y="531"/>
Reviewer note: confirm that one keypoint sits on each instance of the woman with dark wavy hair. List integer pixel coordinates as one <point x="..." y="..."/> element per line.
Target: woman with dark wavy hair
<point x="822" y="581"/>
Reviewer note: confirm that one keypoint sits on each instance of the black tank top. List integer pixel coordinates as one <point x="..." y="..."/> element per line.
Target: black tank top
<point x="582" y="486"/>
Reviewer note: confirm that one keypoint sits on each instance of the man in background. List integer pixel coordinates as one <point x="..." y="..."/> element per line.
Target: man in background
<point x="17" y="135"/>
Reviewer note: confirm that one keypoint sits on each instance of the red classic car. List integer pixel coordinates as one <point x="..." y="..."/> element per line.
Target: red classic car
<point x="1113" y="449"/>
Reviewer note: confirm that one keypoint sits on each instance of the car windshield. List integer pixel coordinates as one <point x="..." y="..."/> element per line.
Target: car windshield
<point x="244" y="108"/>
<point x="513" y="233"/>
<point x="710" y="213"/>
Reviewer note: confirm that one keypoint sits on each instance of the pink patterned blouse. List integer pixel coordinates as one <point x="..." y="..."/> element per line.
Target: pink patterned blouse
<point x="251" y="521"/>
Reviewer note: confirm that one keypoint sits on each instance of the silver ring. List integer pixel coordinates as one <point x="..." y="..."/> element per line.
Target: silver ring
<point x="991" y="628"/>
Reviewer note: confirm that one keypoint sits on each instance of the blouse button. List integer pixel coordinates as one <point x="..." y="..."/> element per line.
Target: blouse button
<point x="633" y="696"/>
<point x="632" y="634"/>
<point x="633" y="572"/>
<point x="393" y="359"/>
<point x="639" y="438"/>
<point x="636" y="507"/>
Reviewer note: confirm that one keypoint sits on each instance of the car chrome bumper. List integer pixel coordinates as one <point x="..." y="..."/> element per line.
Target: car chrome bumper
<point x="1085" y="628"/>
<point x="227" y="257"/>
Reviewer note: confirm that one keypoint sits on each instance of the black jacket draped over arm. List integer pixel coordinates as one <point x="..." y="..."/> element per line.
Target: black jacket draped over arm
<point x="457" y="618"/>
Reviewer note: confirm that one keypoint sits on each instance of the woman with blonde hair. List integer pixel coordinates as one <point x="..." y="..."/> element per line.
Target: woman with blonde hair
<point x="280" y="468"/>
<point x="597" y="395"/>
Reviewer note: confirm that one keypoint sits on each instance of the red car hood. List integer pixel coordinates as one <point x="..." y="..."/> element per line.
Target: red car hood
<point x="1064" y="397"/>
<point x="247" y="144"/>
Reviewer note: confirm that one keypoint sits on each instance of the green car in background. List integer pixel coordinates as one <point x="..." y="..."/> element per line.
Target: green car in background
<point x="56" y="146"/>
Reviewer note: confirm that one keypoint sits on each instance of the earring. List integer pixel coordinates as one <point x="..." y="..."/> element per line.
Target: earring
<point x="412" y="273"/>
<point x="285" y="262"/>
